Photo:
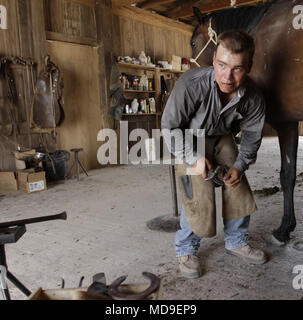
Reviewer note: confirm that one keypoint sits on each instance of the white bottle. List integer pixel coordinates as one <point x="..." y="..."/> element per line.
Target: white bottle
<point x="142" y="84"/>
<point x="135" y="105"/>
<point x="152" y="105"/>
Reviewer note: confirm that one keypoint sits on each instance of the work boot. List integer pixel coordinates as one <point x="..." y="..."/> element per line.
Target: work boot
<point x="189" y="266"/>
<point x="249" y="254"/>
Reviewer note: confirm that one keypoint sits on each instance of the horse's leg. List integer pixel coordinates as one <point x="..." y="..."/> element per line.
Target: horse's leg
<point x="288" y="140"/>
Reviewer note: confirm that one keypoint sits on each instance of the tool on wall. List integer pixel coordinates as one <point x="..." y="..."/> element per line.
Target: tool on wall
<point x="11" y="113"/>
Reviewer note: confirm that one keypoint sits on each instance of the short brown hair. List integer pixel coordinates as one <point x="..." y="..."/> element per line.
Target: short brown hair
<point x="238" y="41"/>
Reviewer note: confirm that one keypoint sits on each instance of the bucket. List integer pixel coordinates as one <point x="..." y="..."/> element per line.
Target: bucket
<point x="55" y="165"/>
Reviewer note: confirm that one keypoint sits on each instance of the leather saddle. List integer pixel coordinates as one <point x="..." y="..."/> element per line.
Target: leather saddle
<point x="47" y="111"/>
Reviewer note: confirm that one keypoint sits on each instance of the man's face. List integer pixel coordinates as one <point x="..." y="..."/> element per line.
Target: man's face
<point x="230" y="69"/>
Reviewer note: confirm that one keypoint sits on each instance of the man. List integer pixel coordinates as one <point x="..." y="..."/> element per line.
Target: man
<point x="219" y="99"/>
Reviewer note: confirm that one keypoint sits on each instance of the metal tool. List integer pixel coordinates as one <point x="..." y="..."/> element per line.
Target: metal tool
<point x="3" y="285"/>
<point x="11" y="232"/>
<point x="99" y="285"/>
<point x="81" y="282"/>
<point x="79" y="286"/>
<point x="212" y="175"/>
<point x="22" y="222"/>
<point x="114" y="292"/>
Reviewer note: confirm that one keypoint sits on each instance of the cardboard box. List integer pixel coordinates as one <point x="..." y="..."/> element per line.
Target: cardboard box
<point x="8" y="180"/>
<point x="176" y="62"/>
<point x="20" y="164"/>
<point x="31" y="181"/>
<point x="83" y="294"/>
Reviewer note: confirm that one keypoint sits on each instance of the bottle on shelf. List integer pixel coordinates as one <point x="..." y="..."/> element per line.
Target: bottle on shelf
<point x="135" y="105"/>
<point x="123" y="80"/>
<point x="143" y="85"/>
<point x="127" y="85"/>
<point x="152" y="105"/>
<point x="142" y="106"/>
<point x="147" y="107"/>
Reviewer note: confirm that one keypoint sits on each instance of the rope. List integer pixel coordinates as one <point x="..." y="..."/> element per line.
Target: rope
<point x="213" y="37"/>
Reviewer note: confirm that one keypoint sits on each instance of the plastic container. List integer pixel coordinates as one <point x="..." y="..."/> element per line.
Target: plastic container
<point x="135" y="105"/>
<point x="152" y="105"/>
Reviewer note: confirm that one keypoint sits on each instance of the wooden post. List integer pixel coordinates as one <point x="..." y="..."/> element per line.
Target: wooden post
<point x="104" y="22"/>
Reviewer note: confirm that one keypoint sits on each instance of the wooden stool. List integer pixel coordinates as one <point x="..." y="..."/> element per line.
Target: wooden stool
<point x="77" y="162"/>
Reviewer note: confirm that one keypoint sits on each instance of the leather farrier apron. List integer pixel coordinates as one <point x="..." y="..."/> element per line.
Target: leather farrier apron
<point x="198" y="196"/>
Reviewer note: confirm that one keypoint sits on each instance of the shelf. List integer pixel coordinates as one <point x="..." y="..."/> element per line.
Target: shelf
<point x="172" y="71"/>
<point x="135" y="66"/>
<point x="141" y="114"/>
<point x="148" y="121"/>
<point x="139" y="91"/>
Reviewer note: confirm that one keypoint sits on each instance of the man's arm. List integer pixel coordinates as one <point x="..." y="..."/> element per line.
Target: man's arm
<point x="251" y="126"/>
<point x="176" y="117"/>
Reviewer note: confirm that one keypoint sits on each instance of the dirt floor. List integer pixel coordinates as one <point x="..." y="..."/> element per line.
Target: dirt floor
<point x="106" y="232"/>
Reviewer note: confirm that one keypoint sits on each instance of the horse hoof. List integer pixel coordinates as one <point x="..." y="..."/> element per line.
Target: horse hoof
<point x="277" y="242"/>
<point x="281" y="236"/>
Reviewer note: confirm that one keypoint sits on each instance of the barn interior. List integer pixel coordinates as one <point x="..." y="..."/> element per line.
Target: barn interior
<point x="66" y="55"/>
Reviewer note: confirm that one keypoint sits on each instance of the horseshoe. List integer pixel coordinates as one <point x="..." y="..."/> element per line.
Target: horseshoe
<point x="113" y="289"/>
<point x="213" y="176"/>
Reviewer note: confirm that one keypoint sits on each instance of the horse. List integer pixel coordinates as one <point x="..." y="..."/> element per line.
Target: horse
<point x="277" y="71"/>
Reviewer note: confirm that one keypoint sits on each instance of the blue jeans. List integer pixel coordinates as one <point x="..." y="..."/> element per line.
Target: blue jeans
<point x="235" y="235"/>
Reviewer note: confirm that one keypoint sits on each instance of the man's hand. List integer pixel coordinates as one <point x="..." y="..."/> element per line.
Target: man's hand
<point x="201" y="167"/>
<point x="232" y="177"/>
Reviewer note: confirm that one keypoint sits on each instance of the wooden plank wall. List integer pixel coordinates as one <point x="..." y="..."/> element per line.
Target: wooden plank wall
<point x="71" y="31"/>
<point x="82" y="113"/>
<point x="110" y="33"/>
<point x="131" y="37"/>
<point x="25" y="38"/>
<point x="72" y="19"/>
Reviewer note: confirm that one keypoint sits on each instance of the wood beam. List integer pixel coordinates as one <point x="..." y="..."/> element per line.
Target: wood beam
<point x="55" y="36"/>
<point x="153" y="19"/>
<point x="88" y="3"/>
<point x="123" y="3"/>
<point x="147" y="4"/>
<point x="208" y="6"/>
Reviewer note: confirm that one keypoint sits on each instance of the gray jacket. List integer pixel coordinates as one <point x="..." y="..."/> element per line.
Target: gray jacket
<point x="194" y="103"/>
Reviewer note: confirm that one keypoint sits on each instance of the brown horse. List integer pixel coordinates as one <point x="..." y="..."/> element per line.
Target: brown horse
<point x="277" y="70"/>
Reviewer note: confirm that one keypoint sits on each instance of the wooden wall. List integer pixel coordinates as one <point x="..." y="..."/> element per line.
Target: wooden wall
<point x="105" y="31"/>
<point x="70" y="21"/>
<point x="111" y="35"/>
<point x="72" y="36"/>
<point x="159" y="38"/>
<point x="78" y="64"/>
<point x="25" y="38"/>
